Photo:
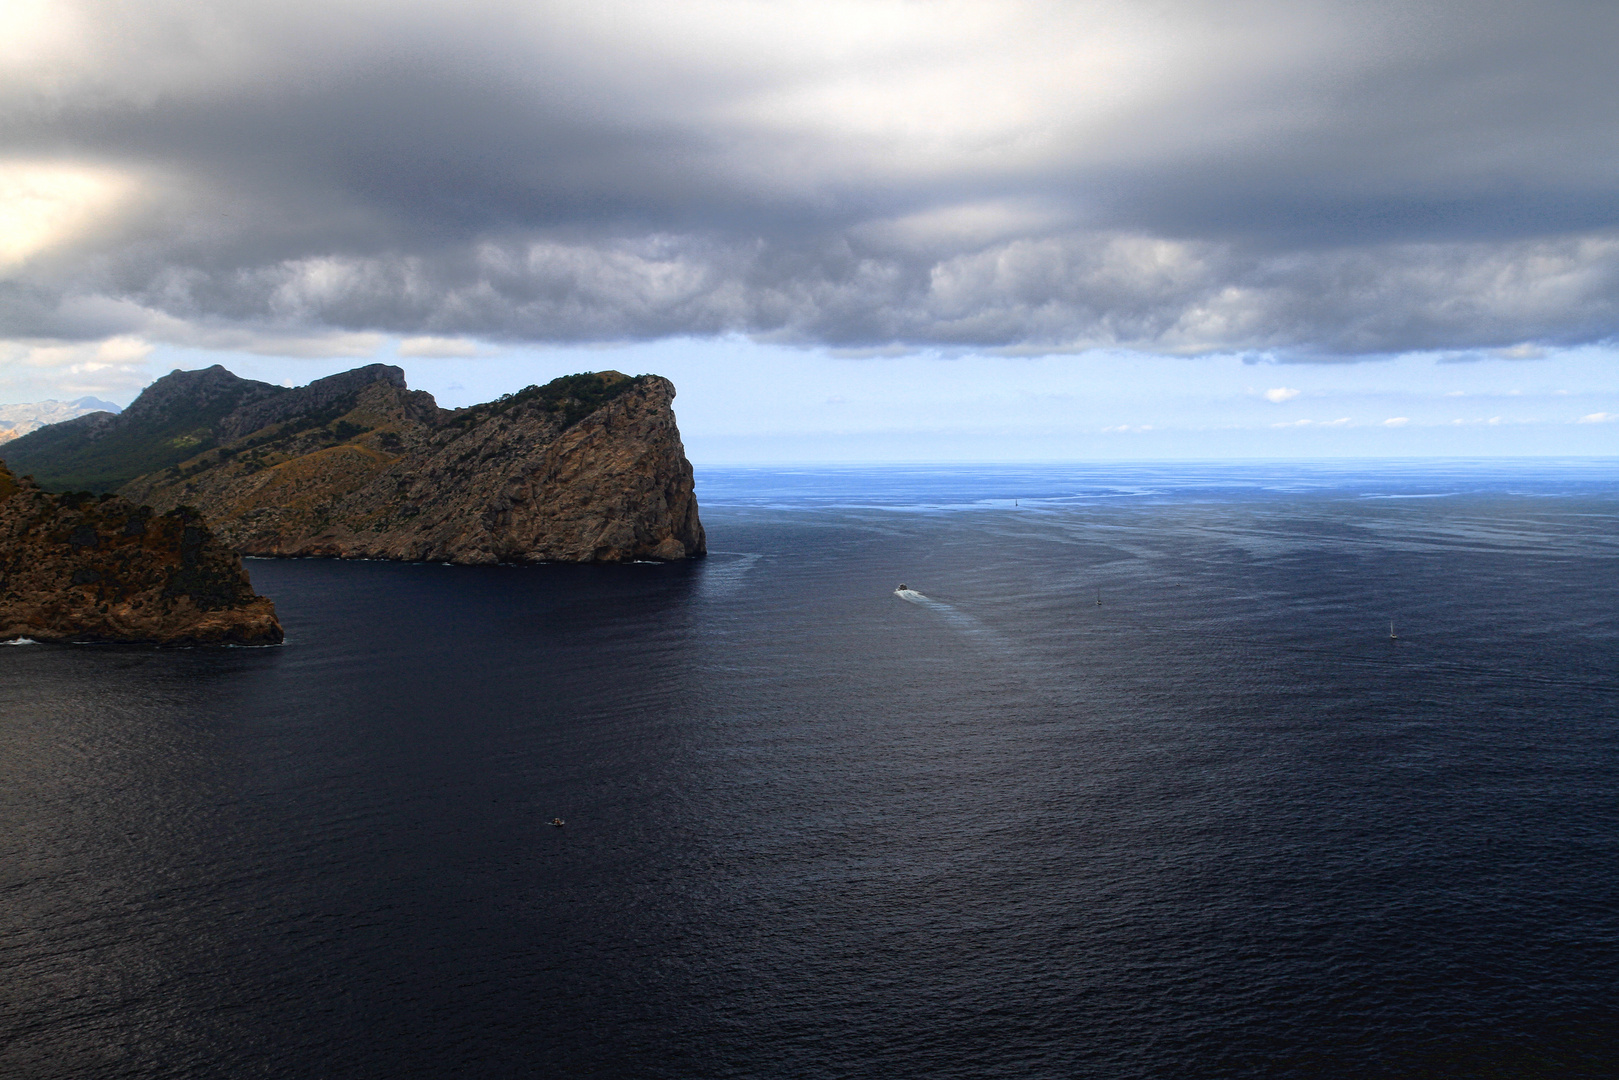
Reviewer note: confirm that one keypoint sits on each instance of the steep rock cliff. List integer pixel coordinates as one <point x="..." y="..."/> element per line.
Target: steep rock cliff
<point x="77" y="568"/>
<point x="586" y="468"/>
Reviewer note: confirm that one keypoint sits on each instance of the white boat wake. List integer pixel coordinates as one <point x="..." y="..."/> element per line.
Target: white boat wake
<point x="724" y="572"/>
<point x="953" y="615"/>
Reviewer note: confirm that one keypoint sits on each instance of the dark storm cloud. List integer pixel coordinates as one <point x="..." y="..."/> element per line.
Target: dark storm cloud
<point x="1313" y="179"/>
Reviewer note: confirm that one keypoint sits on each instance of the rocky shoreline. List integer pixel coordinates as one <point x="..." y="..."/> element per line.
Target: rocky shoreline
<point x="78" y="568"/>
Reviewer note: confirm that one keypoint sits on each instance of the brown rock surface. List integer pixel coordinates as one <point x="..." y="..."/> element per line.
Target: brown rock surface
<point x="586" y="468"/>
<point x="77" y="568"/>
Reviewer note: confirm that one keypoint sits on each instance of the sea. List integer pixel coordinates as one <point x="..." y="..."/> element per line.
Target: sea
<point x="1132" y="780"/>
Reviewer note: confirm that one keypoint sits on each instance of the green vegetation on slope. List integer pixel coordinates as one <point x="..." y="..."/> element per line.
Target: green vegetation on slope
<point x="171" y="421"/>
<point x="569" y="399"/>
<point x="67" y="456"/>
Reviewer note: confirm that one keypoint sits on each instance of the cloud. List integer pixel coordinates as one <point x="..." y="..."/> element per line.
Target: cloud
<point x="1280" y="394"/>
<point x="1316" y="181"/>
<point x="112" y="367"/>
<point x="1598" y="418"/>
<point x="437" y="347"/>
<point x="1397" y="421"/>
<point x="1342" y="421"/>
<point x="878" y="353"/>
<point x="46" y="206"/>
<point x="313" y="344"/>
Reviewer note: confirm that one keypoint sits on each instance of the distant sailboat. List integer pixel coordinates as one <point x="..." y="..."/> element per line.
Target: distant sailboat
<point x="1098" y="596"/>
<point x="1392" y="635"/>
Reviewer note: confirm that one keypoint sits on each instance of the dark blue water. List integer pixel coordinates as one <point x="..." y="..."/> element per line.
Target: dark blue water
<point x="1217" y="826"/>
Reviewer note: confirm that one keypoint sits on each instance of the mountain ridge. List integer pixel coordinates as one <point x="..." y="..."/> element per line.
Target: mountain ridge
<point x="586" y="468"/>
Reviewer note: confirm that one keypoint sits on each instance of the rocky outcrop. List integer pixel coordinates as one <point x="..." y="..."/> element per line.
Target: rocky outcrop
<point x="78" y="568"/>
<point x="335" y="393"/>
<point x="586" y="468"/>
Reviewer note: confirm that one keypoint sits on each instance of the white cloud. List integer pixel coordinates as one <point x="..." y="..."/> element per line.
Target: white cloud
<point x="84" y="357"/>
<point x="1280" y="394"/>
<point x="115" y="367"/>
<point x="1598" y="418"/>
<point x="437" y="347"/>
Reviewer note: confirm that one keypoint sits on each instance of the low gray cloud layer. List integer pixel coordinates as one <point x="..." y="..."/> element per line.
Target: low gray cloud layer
<point x="1320" y="180"/>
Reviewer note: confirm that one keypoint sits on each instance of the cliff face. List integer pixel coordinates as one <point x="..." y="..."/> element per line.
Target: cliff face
<point x="77" y="568"/>
<point x="586" y="468"/>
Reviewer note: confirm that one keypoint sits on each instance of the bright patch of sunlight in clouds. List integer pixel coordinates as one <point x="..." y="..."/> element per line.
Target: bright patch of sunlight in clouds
<point x="47" y="205"/>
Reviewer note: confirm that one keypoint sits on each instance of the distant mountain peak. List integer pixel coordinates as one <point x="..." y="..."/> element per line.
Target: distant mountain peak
<point x="90" y="404"/>
<point x="22" y="419"/>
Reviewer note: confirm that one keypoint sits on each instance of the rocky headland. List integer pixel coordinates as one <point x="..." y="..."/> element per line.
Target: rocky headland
<point x="587" y="468"/>
<point x="75" y="567"/>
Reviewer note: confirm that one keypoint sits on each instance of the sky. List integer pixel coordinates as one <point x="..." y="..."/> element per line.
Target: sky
<point x="866" y="231"/>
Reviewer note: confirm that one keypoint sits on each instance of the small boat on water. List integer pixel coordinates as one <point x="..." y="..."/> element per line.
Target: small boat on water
<point x="902" y="587"/>
<point x="1392" y="635"/>
<point x="558" y="822"/>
